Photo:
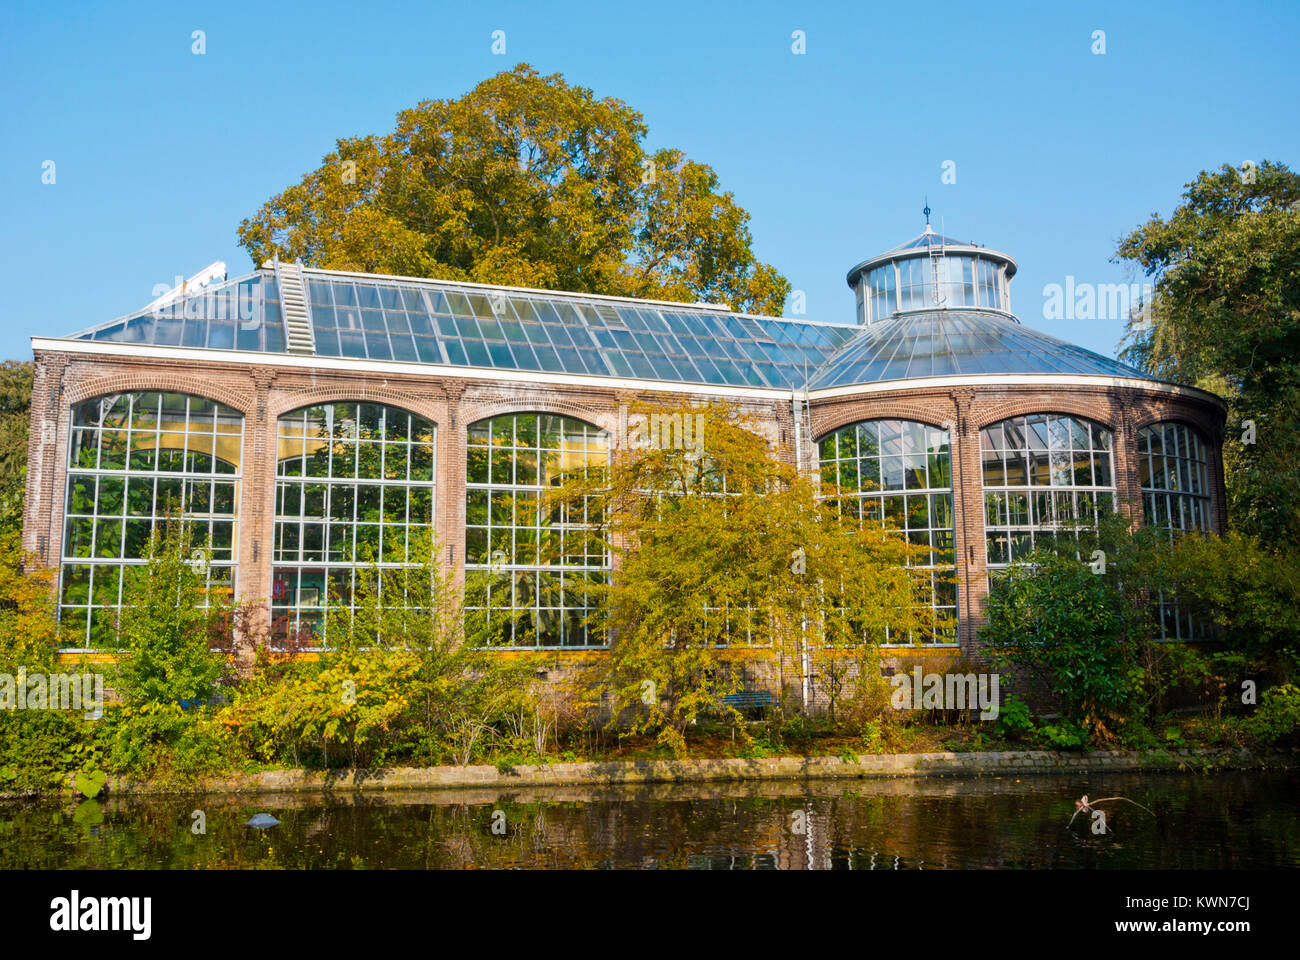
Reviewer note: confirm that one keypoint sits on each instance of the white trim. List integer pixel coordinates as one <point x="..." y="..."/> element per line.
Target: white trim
<point x="431" y="370"/>
<point x="394" y="367"/>
<point x="1016" y="380"/>
<point x="954" y="249"/>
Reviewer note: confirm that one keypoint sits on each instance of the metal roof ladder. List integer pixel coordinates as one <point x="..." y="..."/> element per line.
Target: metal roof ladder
<point x="299" y="335"/>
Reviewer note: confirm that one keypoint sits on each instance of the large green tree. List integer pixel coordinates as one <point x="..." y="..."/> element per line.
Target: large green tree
<point x="1226" y="317"/>
<point x="525" y="180"/>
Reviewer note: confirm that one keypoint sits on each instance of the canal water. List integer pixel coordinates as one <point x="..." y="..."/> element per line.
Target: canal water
<point x="1222" y="820"/>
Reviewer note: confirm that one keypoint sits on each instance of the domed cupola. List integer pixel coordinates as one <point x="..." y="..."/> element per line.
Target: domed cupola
<point x="932" y="272"/>
<point x="937" y="307"/>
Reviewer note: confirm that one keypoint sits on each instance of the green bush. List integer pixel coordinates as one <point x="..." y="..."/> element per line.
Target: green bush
<point x="1276" y="721"/>
<point x="39" y="749"/>
<point x="1015" y="721"/>
<point x="1092" y="637"/>
<point x="1064" y="736"/>
<point x="164" y="741"/>
<point x="1249" y="594"/>
<point x="170" y="614"/>
<point x="1081" y="633"/>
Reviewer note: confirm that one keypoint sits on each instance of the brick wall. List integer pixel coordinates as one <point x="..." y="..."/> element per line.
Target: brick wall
<point x="264" y="392"/>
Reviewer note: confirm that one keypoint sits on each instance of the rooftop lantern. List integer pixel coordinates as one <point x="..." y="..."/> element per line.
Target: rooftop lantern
<point x="932" y="272"/>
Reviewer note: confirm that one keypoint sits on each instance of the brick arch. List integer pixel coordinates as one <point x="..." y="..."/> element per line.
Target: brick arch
<point x="1149" y="418"/>
<point x="171" y="382"/>
<point x="286" y="401"/>
<point x="939" y="413"/>
<point x="471" y="413"/>
<point x="1102" y="410"/>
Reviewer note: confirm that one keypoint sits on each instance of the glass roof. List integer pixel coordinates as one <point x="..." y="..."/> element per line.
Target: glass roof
<point x="944" y="343"/>
<point x="930" y="239"/>
<point x="435" y="322"/>
<point x="242" y="314"/>
<point x="383" y="318"/>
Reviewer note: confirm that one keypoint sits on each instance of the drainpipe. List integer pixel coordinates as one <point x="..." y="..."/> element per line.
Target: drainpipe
<point x="798" y="439"/>
<point x="803" y="637"/>
<point x="803" y="659"/>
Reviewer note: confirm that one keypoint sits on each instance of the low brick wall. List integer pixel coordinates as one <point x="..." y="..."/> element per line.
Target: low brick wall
<point x="703" y="771"/>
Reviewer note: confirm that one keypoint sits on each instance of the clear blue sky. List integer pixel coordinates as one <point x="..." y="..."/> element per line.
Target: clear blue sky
<point x="1058" y="152"/>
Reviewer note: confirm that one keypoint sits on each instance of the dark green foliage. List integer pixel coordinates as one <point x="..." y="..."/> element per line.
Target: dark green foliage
<point x="1251" y="594"/>
<point x="1226" y="317"/>
<point x="1092" y="639"/>
<point x="1277" y="720"/>
<point x="1087" y="634"/>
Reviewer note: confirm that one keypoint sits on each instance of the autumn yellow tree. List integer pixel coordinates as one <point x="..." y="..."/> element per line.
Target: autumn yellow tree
<point x="526" y="180"/>
<point x="721" y="552"/>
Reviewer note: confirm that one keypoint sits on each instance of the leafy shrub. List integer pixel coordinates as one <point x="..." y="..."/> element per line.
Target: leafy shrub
<point x="1064" y="736"/>
<point x="396" y="684"/>
<point x="164" y="741"/>
<point x="40" y="748"/>
<point x="165" y="627"/>
<point x="1248" y="593"/>
<point x="1015" y="721"/>
<point x="873" y="740"/>
<point x="1276" y="721"/>
<point x="340" y="706"/>
<point x="1087" y="636"/>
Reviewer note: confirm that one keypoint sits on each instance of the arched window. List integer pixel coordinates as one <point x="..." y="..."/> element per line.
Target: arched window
<point x="898" y="474"/>
<point x="354" y="481"/>
<point x="133" y="460"/>
<point x="530" y="569"/>
<point x="1045" y="475"/>
<point x="1173" y="468"/>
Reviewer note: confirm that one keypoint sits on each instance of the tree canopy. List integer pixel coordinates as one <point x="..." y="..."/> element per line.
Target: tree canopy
<point x="528" y="181"/>
<point x="1226" y="317"/>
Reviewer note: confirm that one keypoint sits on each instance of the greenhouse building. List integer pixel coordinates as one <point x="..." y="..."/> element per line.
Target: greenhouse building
<point x="305" y="419"/>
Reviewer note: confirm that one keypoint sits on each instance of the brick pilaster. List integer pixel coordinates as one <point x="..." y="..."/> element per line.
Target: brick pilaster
<point x="257" y="512"/>
<point x="968" y="519"/>
<point x="46" y="443"/>
<point x="453" y="438"/>
<point x="1128" y="482"/>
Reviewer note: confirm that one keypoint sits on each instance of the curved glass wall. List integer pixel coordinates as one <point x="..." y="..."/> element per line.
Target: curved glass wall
<point x="1046" y="475"/>
<point x="990" y="285"/>
<point x="133" y="460"/>
<point x="918" y="283"/>
<point x="897" y="474"/>
<point x="1173" y="469"/>
<point x="530" y="568"/>
<point x="354" y="483"/>
<point x="940" y="343"/>
<point x="882" y="286"/>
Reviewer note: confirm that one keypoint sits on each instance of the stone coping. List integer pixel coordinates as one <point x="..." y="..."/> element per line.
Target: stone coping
<point x="612" y="773"/>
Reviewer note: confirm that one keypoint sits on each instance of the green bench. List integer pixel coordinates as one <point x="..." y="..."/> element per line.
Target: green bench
<point x="748" y="700"/>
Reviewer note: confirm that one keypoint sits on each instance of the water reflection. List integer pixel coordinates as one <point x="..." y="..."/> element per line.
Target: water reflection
<point x="1224" y="820"/>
